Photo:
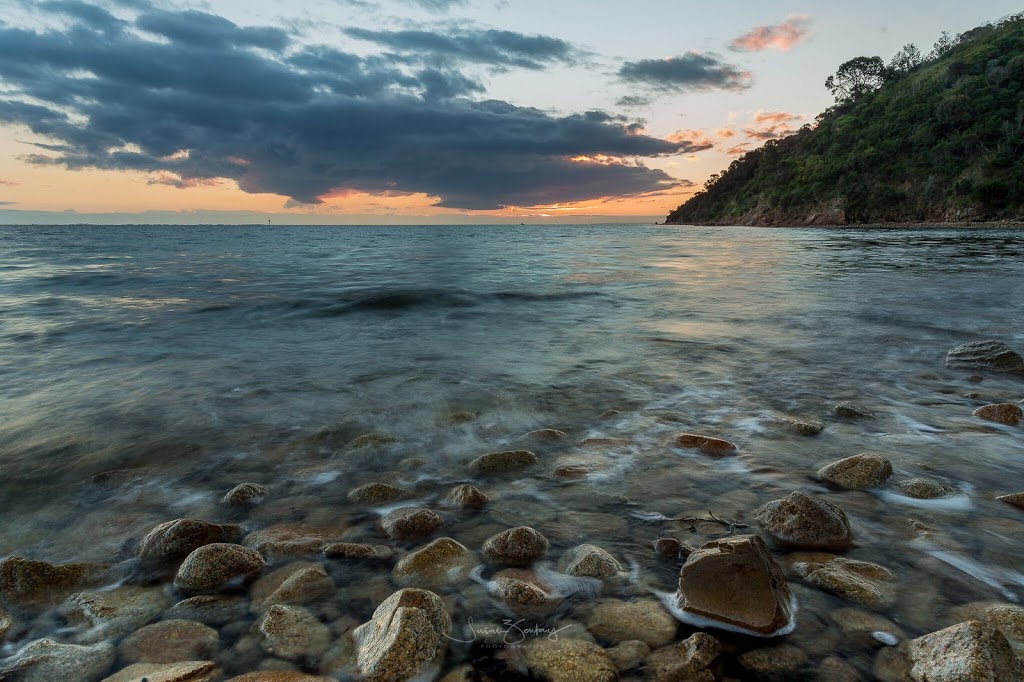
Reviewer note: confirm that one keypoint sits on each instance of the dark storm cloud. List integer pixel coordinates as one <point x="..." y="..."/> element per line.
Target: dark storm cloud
<point x="691" y="71"/>
<point x="203" y="103"/>
<point x="87" y="13"/>
<point x="499" y="49"/>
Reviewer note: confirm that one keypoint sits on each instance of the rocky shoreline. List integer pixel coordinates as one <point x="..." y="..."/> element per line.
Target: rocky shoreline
<point x="402" y="582"/>
<point x="832" y="223"/>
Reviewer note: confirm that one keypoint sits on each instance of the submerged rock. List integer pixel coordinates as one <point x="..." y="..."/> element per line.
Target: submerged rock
<point x="1002" y="413"/>
<point x="244" y="495"/>
<point x="516" y="546"/>
<point x="859" y="581"/>
<point x="800" y="427"/>
<point x="1014" y="499"/>
<point x="280" y="676"/>
<point x="643" y="620"/>
<point x="293" y="539"/>
<point x="549" y="435"/>
<point x="300" y="583"/>
<point x="30" y="583"/>
<point x="378" y="493"/>
<point x="170" y="641"/>
<point x="214" y="567"/>
<point x="781" y="663"/>
<point x="372" y="440"/>
<point x="110" y="614"/>
<point x="466" y="496"/>
<point x="524" y="593"/>
<point x="568" y="660"/>
<point x="45" y="660"/>
<point x="189" y="671"/>
<point x="589" y="561"/>
<point x="923" y="489"/>
<point x="293" y="633"/>
<point x="994" y="356"/>
<point x="734" y="584"/>
<point x="503" y="462"/>
<point x="800" y="520"/>
<point x="852" y="410"/>
<point x="406" y="637"/>
<point x="442" y="562"/>
<point x="628" y="655"/>
<point x="169" y="543"/>
<point x="410" y="523"/>
<point x="352" y="550"/>
<point x="968" y="652"/>
<point x="858" y="472"/>
<point x="688" y="660"/>
<point x="709" y="445"/>
<point x="210" y="609"/>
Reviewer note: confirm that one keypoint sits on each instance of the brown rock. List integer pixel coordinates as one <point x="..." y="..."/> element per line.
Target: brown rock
<point x="6" y="623"/>
<point x="302" y="585"/>
<point x="569" y="660"/>
<point x="169" y="543"/>
<point x="968" y="652"/>
<point x="994" y="356"/>
<point x="1007" y="618"/>
<point x="644" y="620"/>
<point x="378" y="493"/>
<point x="781" y="663"/>
<point x="213" y="567"/>
<point x="244" y="495"/>
<point x="550" y="435"/>
<point x="523" y="592"/>
<point x="30" y="583"/>
<point x="189" y="671"/>
<point x="852" y="410"/>
<point x="406" y="637"/>
<point x="923" y="489"/>
<point x="372" y="440"/>
<point x="410" y="523"/>
<point x="609" y="414"/>
<point x="170" y="641"/>
<point x="466" y="496"/>
<point x="111" y="614"/>
<point x="279" y="676"/>
<point x="293" y="633"/>
<point x="800" y="520"/>
<point x="442" y="562"/>
<point x="503" y="462"/>
<point x="628" y="655"/>
<point x="516" y="547"/>
<point x="45" y="660"/>
<point x="210" y="609"/>
<point x="858" y="472"/>
<point x="687" y="661"/>
<point x="351" y="550"/>
<point x="891" y="665"/>
<point x="716" y="447"/>
<point x="463" y="417"/>
<point x="1015" y="499"/>
<point x="589" y="561"/>
<point x="1002" y="413"/>
<point x="859" y="581"/>
<point x="293" y="539"/>
<point x="800" y="427"/>
<point x="833" y="669"/>
<point x="734" y="584"/>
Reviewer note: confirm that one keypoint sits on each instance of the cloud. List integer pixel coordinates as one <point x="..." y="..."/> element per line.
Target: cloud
<point x="171" y="180"/>
<point x="438" y="5"/>
<point x="210" y="99"/>
<point x="771" y="125"/>
<point x="697" y="139"/>
<point x="796" y="29"/>
<point x="775" y="117"/>
<point x="692" y="71"/>
<point x="8" y="183"/>
<point x="633" y="101"/>
<point x="7" y="203"/>
<point x="725" y="133"/>
<point x="739" y="149"/>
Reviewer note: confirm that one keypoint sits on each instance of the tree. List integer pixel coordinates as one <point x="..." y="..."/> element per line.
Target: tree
<point x="944" y="44"/>
<point x="856" y="78"/>
<point x="906" y="59"/>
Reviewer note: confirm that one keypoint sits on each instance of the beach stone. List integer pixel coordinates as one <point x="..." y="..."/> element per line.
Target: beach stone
<point x="589" y="561"/>
<point x="709" y="445"/>
<point x="169" y="543"/>
<point x="672" y="548"/>
<point x="734" y="584"/>
<point x="210" y="609"/>
<point x="352" y="550"/>
<point x="968" y="652"/>
<point x="523" y="592"/>
<point x="188" y="671"/>
<point x="922" y="489"/>
<point x="858" y="472"/>
<point x="302" y="584"/>
<point x="170" y="641"/>
<point x="293" y="539"/>
<point x="378" y="493"/>
<point x="852" y="410"/>
<point x="466" y="496"/>
<point x="1002" y="413"/>
<point x="774" y="663"/>
<point x="244" y="495"/>
<point x="6" y="623"/>
<point x="859" y="581"/>
<point x="862" y="625"/>
<point x="110" y="614"/>
<point x="503" y="462"/>
<point x="1015" y="499"/>
<point x="628" y="655"/>
<point x="1007" y="618"/>
<point x="45" y="660"/>
<point x="442" y="562"/>
<point x="410" y="523"/>
<point x="549" y="435"/>
<point x="519" y="546"/>
<point x="462" y="417"/>
<point x="687" y="661"/>
<point x="990" y="355"/>
<point x="609" y="414"/>
<point x="293" y="633"/>
<point x="834" y="669"/>
<point x="214" y="567"/>
<point x="799" y="426"/>
<point x="569" y="660"/>
<point x="280" y="676"/>
<point x="800" y="520"/>
<point x="31" y="583"/>
<point x="604" y="442"/>
<point x="407" y="637"/>
<point x="371" y="440"/>
<point x="891" y="665"/>
<point x="643" y="620"/>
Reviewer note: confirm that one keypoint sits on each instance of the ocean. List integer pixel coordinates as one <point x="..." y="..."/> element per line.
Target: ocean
<point x="188" y="360"/>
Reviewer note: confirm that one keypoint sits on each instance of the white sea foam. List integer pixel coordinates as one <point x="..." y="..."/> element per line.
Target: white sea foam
<point x="961" y="502"/>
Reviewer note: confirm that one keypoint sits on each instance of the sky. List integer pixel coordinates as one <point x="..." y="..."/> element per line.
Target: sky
<point x="412" y="111"/>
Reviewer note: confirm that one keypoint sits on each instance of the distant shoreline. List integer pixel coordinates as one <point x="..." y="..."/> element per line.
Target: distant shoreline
<point x="984" y="224"/>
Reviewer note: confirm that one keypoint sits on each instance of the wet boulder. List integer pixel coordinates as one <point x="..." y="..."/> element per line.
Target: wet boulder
<point x="466" y="497"/>
<point x="293" y="633"/>
<point x="858" y="472"/>
<point x="800" y="520"/>
<point x="644" y="620"/>
<point x="923" y="489"/>
<point x="994" y="356"/>
<point x="503" y="462"/>
<point x="859" y="581"/>
<point x="410" y="523"/>
<point x="589" y="561"/>
<point x="568" y="660"/>
<point x="709" y="445"/>
<point x="299" y="583"/>
<point x="442" y="562"/>
<point x="852" y="410"/>
<point x="31" y="583"/>
<point x="968" y="652"/>
<point x="407" y="637"/>
<point x="188" y="671"/>
<point x="801" y="427"/>
<point x="689" y="660"/>
<point x="524" y="592"/>
<point x="45" y="660"/>
<point x="244" y="495"/>
<point x="516" y="546"/>
<point x="775" y="663"/>
<point x="1013" y="499"/>
<point x="1001" y="413"/>
<point x="211" y="568"/>
<point x="293" y="539"/>
<point x="110" y="614"/>
<point x="170" y="641"/>
<point x="378" y="493"/>
<point x="169" y="543"/>
<point x="210" y="609"/>
<point x="357" y="551"/>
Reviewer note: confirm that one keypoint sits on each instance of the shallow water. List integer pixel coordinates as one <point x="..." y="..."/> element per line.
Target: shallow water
<point x="208" y="356"/>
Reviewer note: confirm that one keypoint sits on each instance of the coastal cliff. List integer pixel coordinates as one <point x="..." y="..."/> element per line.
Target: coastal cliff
<point x="935" y="139"/>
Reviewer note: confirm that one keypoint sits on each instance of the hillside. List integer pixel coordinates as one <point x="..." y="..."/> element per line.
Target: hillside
<point x="941" y="139"/>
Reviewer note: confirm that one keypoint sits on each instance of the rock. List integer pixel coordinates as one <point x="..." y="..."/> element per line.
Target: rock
<point x="111" y="614"/>
<point x="687" y="661"/>
<point x="569" y="660"/>
<point x="6" y="623"/>
<point x="643" y="620"/>
<point x="671" y="548"/>
<point x="218" y="566"/>
<point x="170" y="641"/>
<point x="30" y="583"/>
<point x="280" y="676"/>
<point x="189" y="671"/>
<point x="407" y="637"/>
<point x="378" y="493"/>
<point x="589" y="561"/>
<point x="516" y="547"/>
<point x="858" y="472"/>
<point x="410" y="523"/>
<point x="609" y="414"/>
<point x="994" y="356"/>
<point x="45" y="660"/>
<point x="1007" y="618"/>
<point x="169" y="543"/>
<point x="834" y="669"/>
<point x="372" y="440"/>
<point x="864" y="627"/>
<point x="462" y="417"/>
<point x="503" y="462"/>
<point x="442" y="562"/>
<point x="716" y="447"/>
<point x="852" y="410"/>
<point x="782" y="663"/>
<point x="549" y="435"/>
<point x="293" y="539"/>
<point x="628" y="655"/>
<point x="244" y="495"/>
<point x="1002" y="413"/>
<point x="210" y="609"/>
<point x="523" y="592"/>
<point x="891" y="665"/>
<point x="351" y="550"/>
<point x="1015" y="499"/>
<point x="800" y="520"/>
<point x="968" y="652"/>
<point x="293" y="633"/>
<point x="734" y="584"/>
<point x="799" y="426"/>
<point x="466" y="497"/>
<point x="923" y="489"/>
<point x="302" y="585"/>
<point x="604" y="442"/>
<point x="860" y="581"/>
